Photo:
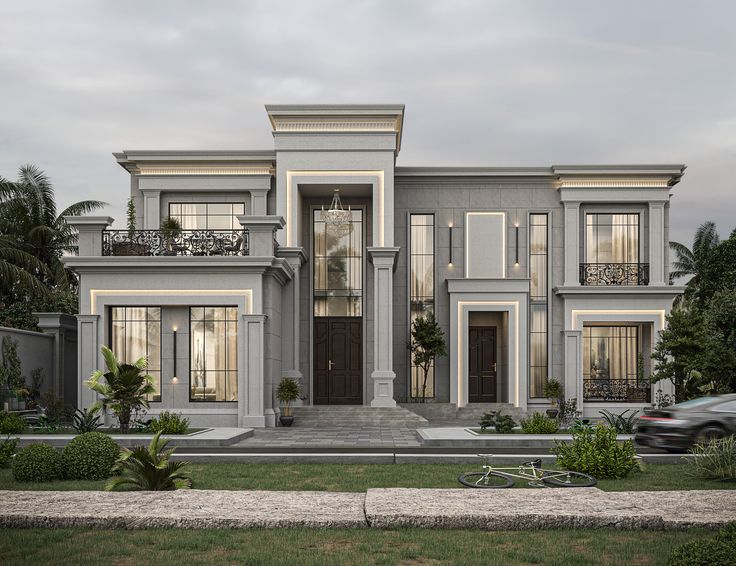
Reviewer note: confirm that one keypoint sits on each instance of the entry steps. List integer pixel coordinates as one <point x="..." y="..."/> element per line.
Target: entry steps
<point x="356" y="416"/>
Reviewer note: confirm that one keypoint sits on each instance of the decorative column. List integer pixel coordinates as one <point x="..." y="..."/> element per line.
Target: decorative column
<point x="656" y="244"/>
<point x="572" y="244"/>
<point x="573" y="366"/>
<point x="88" y="356"/>
<point x="151" y="209"/>
<point x="261" y="231"/>
<point x="384" y="261"/>
<point x="290" y="353"/>
<point x="254" y="394"/>
<point x="258" y="202"/>
<point x="90" y="230"/>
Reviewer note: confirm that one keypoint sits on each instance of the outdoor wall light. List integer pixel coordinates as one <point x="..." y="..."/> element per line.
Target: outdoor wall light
<point x="450" y="229"/>
<point x="175" y="379"/>
<point x="516" y="228"/>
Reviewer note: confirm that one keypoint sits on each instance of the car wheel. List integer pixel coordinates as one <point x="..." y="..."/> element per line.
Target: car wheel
<point x="708" y="433"/>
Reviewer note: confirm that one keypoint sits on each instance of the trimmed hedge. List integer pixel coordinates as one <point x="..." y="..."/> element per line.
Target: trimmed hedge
<point x="90" y="456"/>
<point x="11" y="423"/>
<point x="169" y="423"/>
<point x="717" y="551"/>
<point x="597" y="452"/>
<point x="539" y="424"/>
<point x="38" y="462"/>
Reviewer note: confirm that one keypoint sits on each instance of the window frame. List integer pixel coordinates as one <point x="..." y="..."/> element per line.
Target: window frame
<point x="546" y="301"/>
<point x="206" y="214"/>
<point x="594" y="212"/>
<point x="225" y="371"/>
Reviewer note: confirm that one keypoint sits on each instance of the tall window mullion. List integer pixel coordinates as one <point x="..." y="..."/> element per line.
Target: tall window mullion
<point x="538" y="298"/>
<point x="421" y="288"/>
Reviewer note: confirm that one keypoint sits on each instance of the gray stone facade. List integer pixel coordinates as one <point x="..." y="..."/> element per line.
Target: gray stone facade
<point x="483" y="213"/>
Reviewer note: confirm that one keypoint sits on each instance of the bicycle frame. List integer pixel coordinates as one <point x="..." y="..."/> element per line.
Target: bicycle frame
<point x="530" y="473"/>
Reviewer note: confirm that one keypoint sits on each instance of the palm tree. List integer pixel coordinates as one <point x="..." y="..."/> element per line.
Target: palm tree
<point x="149" y="469"/>
<point x="689" y="262"/>
<point x="31" y="228"/>
<point x="125" y="389"/>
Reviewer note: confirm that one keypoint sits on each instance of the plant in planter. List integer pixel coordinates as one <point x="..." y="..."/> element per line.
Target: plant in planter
<point x="553" y="392"/>
<point x="124" y="389"/>
<point x="170" y="231"/>
<point x="130" y="246"/>
<point x="504" y="424"/>
<point x="287" y="392"/>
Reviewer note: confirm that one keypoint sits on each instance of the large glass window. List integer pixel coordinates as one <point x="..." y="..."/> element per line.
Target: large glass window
<point x="612" y="238"/>
<point x="338" y="268"/>
<point x="421" y="287"/>
<point x="538" y="273"/>
<point x="136" y="333"/>
<point x="610" y="352"/>
<point x="207" y="215"/>
<point x="213" y="357"/>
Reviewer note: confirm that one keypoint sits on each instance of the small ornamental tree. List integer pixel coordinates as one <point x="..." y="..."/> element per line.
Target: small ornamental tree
<point x="427" y="343"/>
<point x="131" y="219"/>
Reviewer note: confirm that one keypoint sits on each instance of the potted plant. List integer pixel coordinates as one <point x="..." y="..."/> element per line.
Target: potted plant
<point x="130" y="246"/>
<point x="553" y="392"/>
<point x="170" y="231"/>
<point x="287" y="392"/>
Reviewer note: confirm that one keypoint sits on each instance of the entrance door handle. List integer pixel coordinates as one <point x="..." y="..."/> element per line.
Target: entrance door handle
<point x="329" y="365"/>
<point x="493" y="367"/>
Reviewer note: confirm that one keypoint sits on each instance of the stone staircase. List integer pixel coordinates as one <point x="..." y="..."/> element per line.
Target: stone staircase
<point x="448" y="414"/>
<point x="354" y="416"/>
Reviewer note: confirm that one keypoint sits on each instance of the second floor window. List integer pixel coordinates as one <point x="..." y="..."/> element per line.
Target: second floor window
<point x="207" y="215"/>
<point x="612" y="238"/>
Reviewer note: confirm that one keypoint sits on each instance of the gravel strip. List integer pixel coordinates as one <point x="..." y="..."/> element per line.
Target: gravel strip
<point x="520" y="509"/>
<point x="191" y="509"/>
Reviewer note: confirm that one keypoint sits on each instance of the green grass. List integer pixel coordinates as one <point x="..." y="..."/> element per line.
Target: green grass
<point x="339" y="546"/>
<point x="360" y="477"/>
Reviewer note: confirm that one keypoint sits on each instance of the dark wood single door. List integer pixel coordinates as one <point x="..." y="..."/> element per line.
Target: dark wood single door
<point x="482" y="368"/>
<point x="338" y="360"/>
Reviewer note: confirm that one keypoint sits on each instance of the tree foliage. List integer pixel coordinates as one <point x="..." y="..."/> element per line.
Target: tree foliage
<point x="427" y="343"/>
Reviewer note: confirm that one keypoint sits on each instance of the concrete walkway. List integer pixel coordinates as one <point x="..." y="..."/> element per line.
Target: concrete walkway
<point x="344" y="437"/>
<point x="515" y="509"/>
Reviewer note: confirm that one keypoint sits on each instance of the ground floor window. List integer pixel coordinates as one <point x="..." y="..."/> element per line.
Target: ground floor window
<point x="213" y="357"/>
<point x="610" y="362"/>
<point x="135" y="332"/>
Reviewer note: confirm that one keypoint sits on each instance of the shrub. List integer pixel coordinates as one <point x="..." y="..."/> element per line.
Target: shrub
<point x="169" y="423"/>
<point x="87" y="420"/>
<point x="598" y="453"/>
<point x="581" y="424"/>
<point x="7" y="449"/>
<point x="503" y="424"/>
<point x="539" y="424"/>
<point x="37" y="462"/>
<point x="90" y="456"/>
<point x="552" y="389"/>
<point x="714" y="460"/>
<point x="149" y="469"/>
<point x="623" y="423"/>
<point x="11" y="423"/>
<point x="716" y="551"/>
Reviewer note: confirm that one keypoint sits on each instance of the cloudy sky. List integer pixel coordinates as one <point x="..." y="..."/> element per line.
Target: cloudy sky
<point x="484" y="83"/>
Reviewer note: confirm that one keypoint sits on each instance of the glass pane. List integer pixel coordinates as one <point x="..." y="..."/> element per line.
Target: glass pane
<point x="238" y="208"/>
<point x="221" y="208"/>
<point x="232" y="386"/>
<point x="220" y="222"/>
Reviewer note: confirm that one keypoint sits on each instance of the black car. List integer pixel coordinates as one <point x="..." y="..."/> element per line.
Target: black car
<point x="678" y="427"/>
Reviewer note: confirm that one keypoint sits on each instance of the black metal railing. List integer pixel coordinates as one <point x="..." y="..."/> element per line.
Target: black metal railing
<point x="182" y="242"/>
<point x="622" y="390"/>
<point x="614" y="274"/>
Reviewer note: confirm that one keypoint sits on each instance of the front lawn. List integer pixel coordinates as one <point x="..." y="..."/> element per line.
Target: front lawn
<point x="360" y="477"/>
<point x="339" y="546"/>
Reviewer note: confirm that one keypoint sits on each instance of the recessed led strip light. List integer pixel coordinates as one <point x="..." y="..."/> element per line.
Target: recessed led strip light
<point x="613" y="183"/>
<point x="205" y="171"/>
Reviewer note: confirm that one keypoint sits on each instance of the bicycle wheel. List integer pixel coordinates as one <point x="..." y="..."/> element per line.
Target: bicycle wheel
<point x="568" y="479"/>
<point x="494" y="480"/>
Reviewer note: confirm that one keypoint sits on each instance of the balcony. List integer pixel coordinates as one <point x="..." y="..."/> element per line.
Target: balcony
<point x="179" y="243"/>
<point x="617" y="390"/>
<point x="625" y="274"/>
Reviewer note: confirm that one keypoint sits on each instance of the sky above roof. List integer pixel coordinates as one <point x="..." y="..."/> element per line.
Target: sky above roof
<point x="484" y="83"/>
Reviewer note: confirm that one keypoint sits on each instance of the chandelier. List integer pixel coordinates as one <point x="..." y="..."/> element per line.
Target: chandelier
<point x="337" y="219"/>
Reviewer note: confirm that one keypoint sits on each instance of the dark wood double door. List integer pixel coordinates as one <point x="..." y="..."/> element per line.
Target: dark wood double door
<point x="482" y="367"/>
<point x="338" y="360"/>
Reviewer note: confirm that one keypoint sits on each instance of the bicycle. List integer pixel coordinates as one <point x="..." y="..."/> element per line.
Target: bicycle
<point x="500" y="478"/>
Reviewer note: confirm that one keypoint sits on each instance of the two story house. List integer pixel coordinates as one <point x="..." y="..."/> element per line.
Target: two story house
<point x="310" y="260"/>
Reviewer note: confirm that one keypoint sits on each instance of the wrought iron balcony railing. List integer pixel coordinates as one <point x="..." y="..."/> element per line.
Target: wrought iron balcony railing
<point x="622" y="390"/>
<point x="182" y="242"/>
<point x="614" y="274"/>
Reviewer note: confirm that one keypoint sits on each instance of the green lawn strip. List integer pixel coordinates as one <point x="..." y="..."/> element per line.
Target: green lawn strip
<point x="339" y="546"/>
<point x="361" y="477"/>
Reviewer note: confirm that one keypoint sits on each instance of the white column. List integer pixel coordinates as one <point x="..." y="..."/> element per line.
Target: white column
<point x="254" y="395"/>
<point x="573" y="366"/>
<point x="572" y="244"/>
<point x="258" y="202"/>
<point x="88" y="356"/>
<point x="89" y="228"/>
<point x="656" y="243"/>
<point x="290" y="356"/>
<point x="151" y="209"/>
<point x="383" y="376"/>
